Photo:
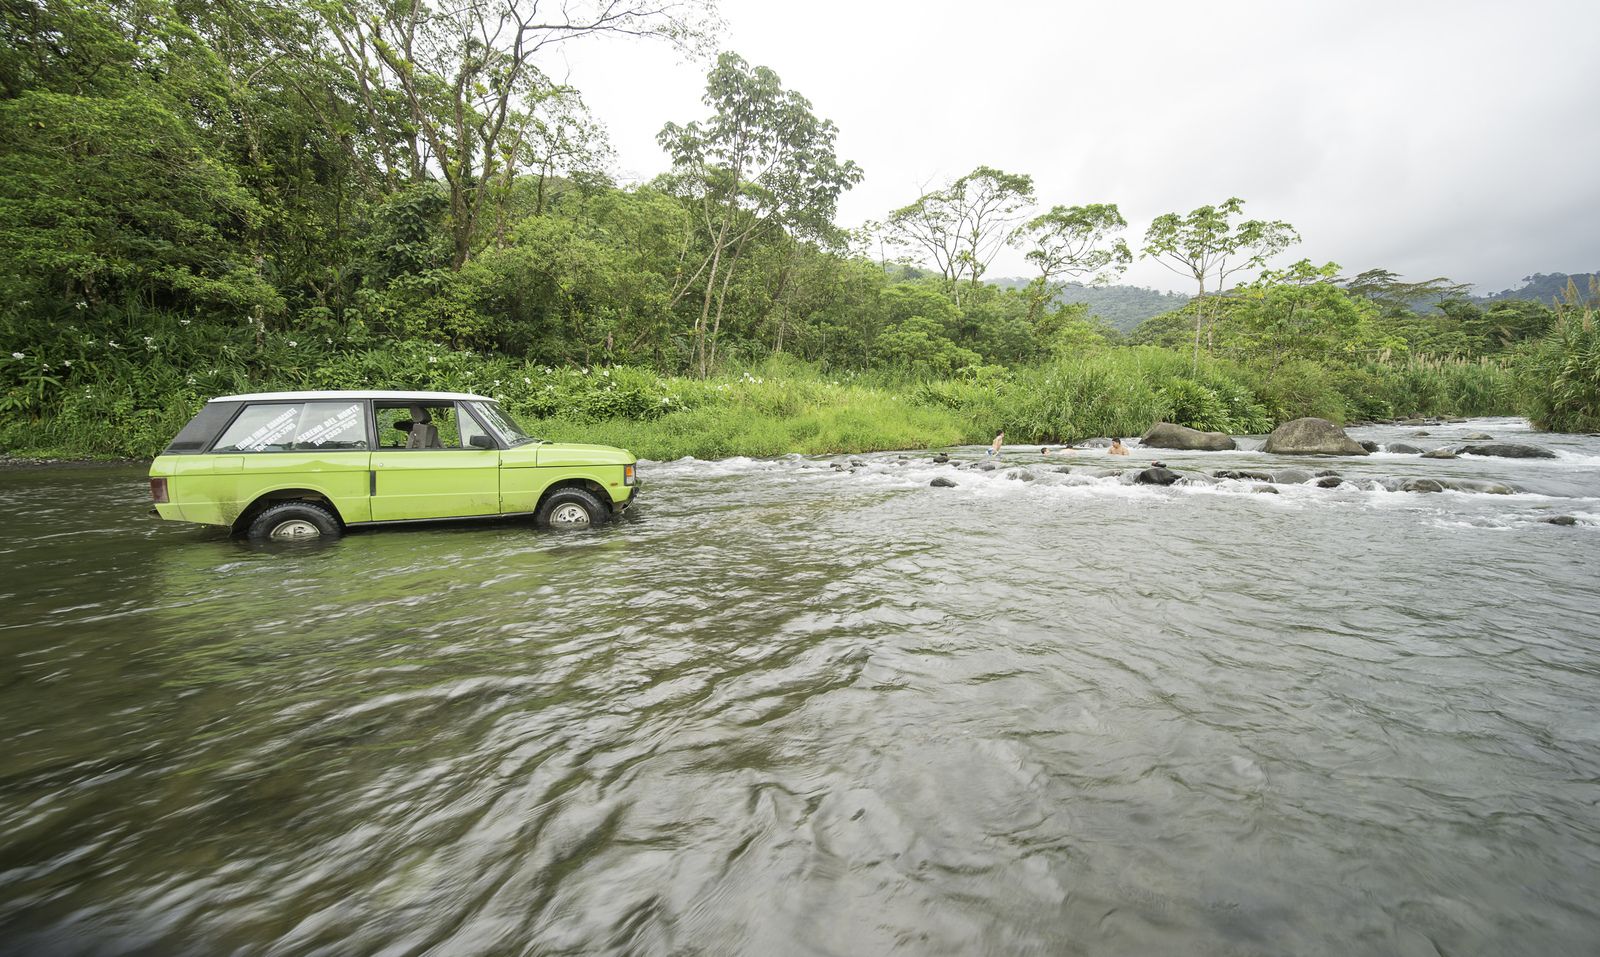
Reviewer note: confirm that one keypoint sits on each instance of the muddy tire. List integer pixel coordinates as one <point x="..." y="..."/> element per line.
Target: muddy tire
<point x="571" y="508"/>
<point x="294" y="522"/>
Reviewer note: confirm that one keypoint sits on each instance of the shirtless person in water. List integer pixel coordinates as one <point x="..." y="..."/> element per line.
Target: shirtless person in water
<point x="1117" y="448"/>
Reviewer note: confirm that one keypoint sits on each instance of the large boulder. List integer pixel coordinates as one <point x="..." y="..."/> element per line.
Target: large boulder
<point x="1165" y="435"/>
<point x="1508" y="450"/>
<point x="1311" y="437"/>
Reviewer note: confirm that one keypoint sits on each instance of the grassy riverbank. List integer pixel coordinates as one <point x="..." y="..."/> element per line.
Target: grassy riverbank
<point x="114" y="401"/>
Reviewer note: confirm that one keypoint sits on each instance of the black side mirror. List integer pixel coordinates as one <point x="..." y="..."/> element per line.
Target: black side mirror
<point x="481" y="442"/>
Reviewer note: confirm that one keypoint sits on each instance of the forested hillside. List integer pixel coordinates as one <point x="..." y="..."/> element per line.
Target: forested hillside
<point x="207" y="198"/>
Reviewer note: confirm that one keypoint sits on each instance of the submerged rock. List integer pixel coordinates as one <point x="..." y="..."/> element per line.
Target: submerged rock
<point x="1509" y="450"/>
<point x="987" y="467"/>
<point x="1401" y="448"/>
<point x="1422" y="485"/>
<point x="1165" y="435"/>
<point x="1329" y="481"/>
<point x="1100" y="443"/>
<point x="943" y="482"/>
<point x="1243" y="475"/>
<point x="1311" y="436"/>
<point x="1021" y="475"/>
<point x="1478" y="437"/>
<point x="1291" y="476"/>
<point x="1156" y="476"/>
<point x="1269" y="489"/>
<point x="1369" y="446"/>
<point x="1480" y="487"/>
<point x="941" y="458"/>
<point x="1443" y="452"/>
<point x="1561" y="520"/>
<point x="1421" y="432"/>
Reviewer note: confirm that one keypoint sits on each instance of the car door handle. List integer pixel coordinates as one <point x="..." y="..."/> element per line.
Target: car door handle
<point x="372" y="481"/>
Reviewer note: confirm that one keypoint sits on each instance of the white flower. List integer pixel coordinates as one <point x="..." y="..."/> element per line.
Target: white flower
<point x="292" y="343"/>
<point x="18" y="355"/>
<point x="113" y="343"/>
<point x="67" y="363"/>
<point x="183" y="322"/>
<point x="82" y="304"/>
<point x="606" y="373"/>
<point x="433" y="358"/>
<point x="527" y="381"/>
<point x="586" y="371"/>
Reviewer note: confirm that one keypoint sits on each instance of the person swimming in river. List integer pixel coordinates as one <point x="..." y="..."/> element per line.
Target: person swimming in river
<point x="999" y="440"/>
<point x="1045" y="449"/>
<point x="1117" y="448"/>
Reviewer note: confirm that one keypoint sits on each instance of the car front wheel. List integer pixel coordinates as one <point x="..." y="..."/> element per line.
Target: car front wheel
<point x="294" y="522"/>
<point x="571" y="508"/>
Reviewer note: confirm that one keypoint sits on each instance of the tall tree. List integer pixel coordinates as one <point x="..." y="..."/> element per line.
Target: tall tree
<point x="466" y="76"/>
<point x="1074" y="242"/>
<point x="762" y="161"/>
<point x="1207" y="247"/>
<point x="965" y="225"/>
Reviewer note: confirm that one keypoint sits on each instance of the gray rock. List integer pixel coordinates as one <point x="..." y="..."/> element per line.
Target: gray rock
<point x="1402" y="448"/>
<point x="1021" y="475"/>
<point x="1443" y="452"/>
<point x="1269" y="489"/>
<point x="1243" y="475"/>
<point x="1422" y="485"/>
<point x="1165" y="435"/>
<point x="986" y="467"/>
<point x="1562" y="520"/>
<point x="1369" y="446"/>
<point x="1508" y="450"/>
<point x="1421" y="432"/>
<point x="1064" y="469"/>
<point x="1478" y="437"/>
<point x="1291" y="476"/>
<point x="943" y="482"/>
<point x="1156" y="476"/>
<point x="1197" y="478"/>
<point x="1329" y="481"/>
<point x="1100" y="443"/>
<point x="1455" y="421"/>
<point x="1323" y="473"/>
<point x="941" y="458"/>
<point x="1311" y="436"/>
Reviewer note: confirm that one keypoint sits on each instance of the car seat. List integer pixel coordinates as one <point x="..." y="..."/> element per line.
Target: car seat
<point x="424" y="435"/>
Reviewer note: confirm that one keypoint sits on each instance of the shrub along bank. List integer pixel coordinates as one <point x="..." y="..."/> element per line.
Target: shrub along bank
<point x="127" y="396"/>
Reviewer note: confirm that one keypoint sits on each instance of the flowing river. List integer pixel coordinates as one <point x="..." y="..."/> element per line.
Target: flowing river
<point x="788" y="708"/>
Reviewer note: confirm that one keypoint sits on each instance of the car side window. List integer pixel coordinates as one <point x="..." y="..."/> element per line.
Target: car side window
<point x="417" y="425"/>
<point x="297" y="427"/>
<point x="470" y="427"/>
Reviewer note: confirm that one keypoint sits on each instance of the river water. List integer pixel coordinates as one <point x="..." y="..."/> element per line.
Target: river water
<point x="785" y="708"/>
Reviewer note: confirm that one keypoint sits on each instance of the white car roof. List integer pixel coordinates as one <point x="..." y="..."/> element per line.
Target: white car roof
<point x="336" y="394"/>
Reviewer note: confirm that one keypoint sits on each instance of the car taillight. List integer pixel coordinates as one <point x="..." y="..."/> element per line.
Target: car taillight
<point x="158" y="491"/>
<point x="627" y="475"/>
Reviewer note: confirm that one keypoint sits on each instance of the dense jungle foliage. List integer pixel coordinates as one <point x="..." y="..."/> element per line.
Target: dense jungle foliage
<point x="205" y="198"/>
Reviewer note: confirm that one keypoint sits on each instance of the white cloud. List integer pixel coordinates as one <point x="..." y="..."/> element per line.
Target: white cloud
<point x="1433" y="138"/>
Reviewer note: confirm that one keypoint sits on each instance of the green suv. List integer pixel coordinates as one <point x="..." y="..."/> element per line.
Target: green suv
<point x="299" y="465"/>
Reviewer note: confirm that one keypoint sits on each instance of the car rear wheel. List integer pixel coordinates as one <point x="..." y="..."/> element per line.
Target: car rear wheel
<point x="294" y="522"/>
<point x="571" y="508"/>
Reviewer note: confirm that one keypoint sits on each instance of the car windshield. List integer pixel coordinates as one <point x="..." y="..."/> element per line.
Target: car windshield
<point x="509" y="430"/>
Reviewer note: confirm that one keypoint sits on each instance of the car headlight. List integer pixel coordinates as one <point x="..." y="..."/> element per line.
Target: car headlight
<point x="628" y="475"/>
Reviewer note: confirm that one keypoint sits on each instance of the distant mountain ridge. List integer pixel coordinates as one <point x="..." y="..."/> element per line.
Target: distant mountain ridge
<point x="1120" y="307"/>
<point x="1545" y="287"/>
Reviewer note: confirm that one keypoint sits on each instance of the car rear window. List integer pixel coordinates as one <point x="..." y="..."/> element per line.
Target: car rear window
<point x="297" y="427"/>
<point x="197" y="435"/>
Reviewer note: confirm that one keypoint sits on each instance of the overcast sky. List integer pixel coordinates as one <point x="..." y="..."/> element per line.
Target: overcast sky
<point x="1431" y="138"/>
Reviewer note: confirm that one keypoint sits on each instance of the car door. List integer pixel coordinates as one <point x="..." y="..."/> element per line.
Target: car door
<point x="436" y="478"/>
